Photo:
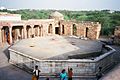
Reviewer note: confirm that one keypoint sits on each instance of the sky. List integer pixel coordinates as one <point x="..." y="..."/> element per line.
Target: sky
<point x="62" y="4"/>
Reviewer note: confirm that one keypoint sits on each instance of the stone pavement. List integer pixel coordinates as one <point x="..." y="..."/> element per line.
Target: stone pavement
<point x="10" y="72"/>
<point x="114" y="74"/>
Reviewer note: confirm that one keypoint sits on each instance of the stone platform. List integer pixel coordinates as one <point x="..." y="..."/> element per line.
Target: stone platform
<point x="51" y="54"/>
<point x="56" y="47"/>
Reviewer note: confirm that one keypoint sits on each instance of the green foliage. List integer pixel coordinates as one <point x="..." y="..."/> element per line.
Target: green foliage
<point x="107" y="19"/>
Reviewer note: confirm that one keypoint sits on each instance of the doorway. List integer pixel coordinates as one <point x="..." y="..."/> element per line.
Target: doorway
<point x="56" y="30"/>
<point x="74" y="30"/>
<point x="50" y="28"/>
<point x="86" y="35"/>
<point x="5" y="34"/>
<point x="63" y="29"/>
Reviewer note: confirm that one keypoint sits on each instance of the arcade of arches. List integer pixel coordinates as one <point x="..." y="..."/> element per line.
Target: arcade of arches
<point x="16" y="32"/>
<point x="12" y="31"/>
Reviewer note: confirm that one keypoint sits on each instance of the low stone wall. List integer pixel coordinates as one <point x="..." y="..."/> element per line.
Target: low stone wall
<point x="81" y="67"/>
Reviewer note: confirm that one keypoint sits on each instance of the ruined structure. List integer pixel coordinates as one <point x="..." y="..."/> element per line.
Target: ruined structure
<point x="64" y="51"/>
<point x="117" y="35"/>
<point x="12" y="28"/>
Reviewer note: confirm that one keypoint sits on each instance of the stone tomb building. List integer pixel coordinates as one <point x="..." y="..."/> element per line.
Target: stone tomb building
<point x="12" y="28"/>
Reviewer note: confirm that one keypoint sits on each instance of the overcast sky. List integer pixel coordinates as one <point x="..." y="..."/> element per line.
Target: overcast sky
<point x="62" y="4"/>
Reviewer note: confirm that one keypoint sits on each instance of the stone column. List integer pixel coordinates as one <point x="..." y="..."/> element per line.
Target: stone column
<point x="24" y="32"/>
<point x="0" y="36"/>
<point x="98" y="31"/>
<point x="10" y="34"/>
<point x="3" y="36"/>
<point x="60" y="27"/>
<point x="44" y="30"/>
<point x="38" y="32"/>
<point x="18" y="34"/>
<point x="22" y="35"/>
<point x="53" y="28"/>
<point x="71" y="29"/>
<point x="32" y="28"/>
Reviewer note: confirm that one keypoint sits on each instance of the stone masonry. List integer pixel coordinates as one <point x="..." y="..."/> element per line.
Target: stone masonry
<point x="117" y="35"/>
<point x="14" y="30"/>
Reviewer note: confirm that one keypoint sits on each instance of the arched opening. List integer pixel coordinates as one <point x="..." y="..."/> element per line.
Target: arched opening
<point x="16" y="33"/>
<point x="63" y="29"/>
<point x="36" y="30"/>
<point x="86" y="34"/>
<point x="74" y="30"/>
<point x="57" y="28"/>
<point x="50" y="28"/>
<point x="5" y="34"/>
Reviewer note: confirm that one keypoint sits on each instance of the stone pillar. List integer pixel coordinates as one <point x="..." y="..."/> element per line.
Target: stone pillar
<point x="53" y="29"/>
<point x="44" y="30"/>
<point x="38" y="31"/>
<point x="61" y="26"/>
<point x="32" y="30"/>
<point x="71" y="30"/>
<point x="18" y="34"/>
<point x="98" y="31"/>
<point x="41" y="30"/>
<point x="10" y="34"/>
<point x="24" y="32"/>
<point x="22" y="35"/>
<point x="0" y="37"/>
<point x="3" y="36"/>
<point x="29" y="32"/>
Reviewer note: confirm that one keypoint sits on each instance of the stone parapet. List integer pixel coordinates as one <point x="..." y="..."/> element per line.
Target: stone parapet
<point x="81" y="67"/>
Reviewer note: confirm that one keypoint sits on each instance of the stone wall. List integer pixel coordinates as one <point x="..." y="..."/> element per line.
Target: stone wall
<point x="67" y="27"/>
<point x="81" y="67"/>
<point x="117" y="35"/>
<point x="85" y="29"/>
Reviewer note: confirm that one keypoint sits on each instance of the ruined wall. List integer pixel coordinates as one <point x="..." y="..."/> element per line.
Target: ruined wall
<point x="117" y="35"/>
<point x="117" y="31"/>
<point x="93" y="32"/>
<point x="57" y="21"/>
<point x="67" y="28"/>
<point x="85" y="29"/>
<point x="81" y="30"/>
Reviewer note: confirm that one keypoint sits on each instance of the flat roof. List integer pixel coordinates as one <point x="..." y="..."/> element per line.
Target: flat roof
<point x="11" y="23"/>
<point x="55" y="47"/>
